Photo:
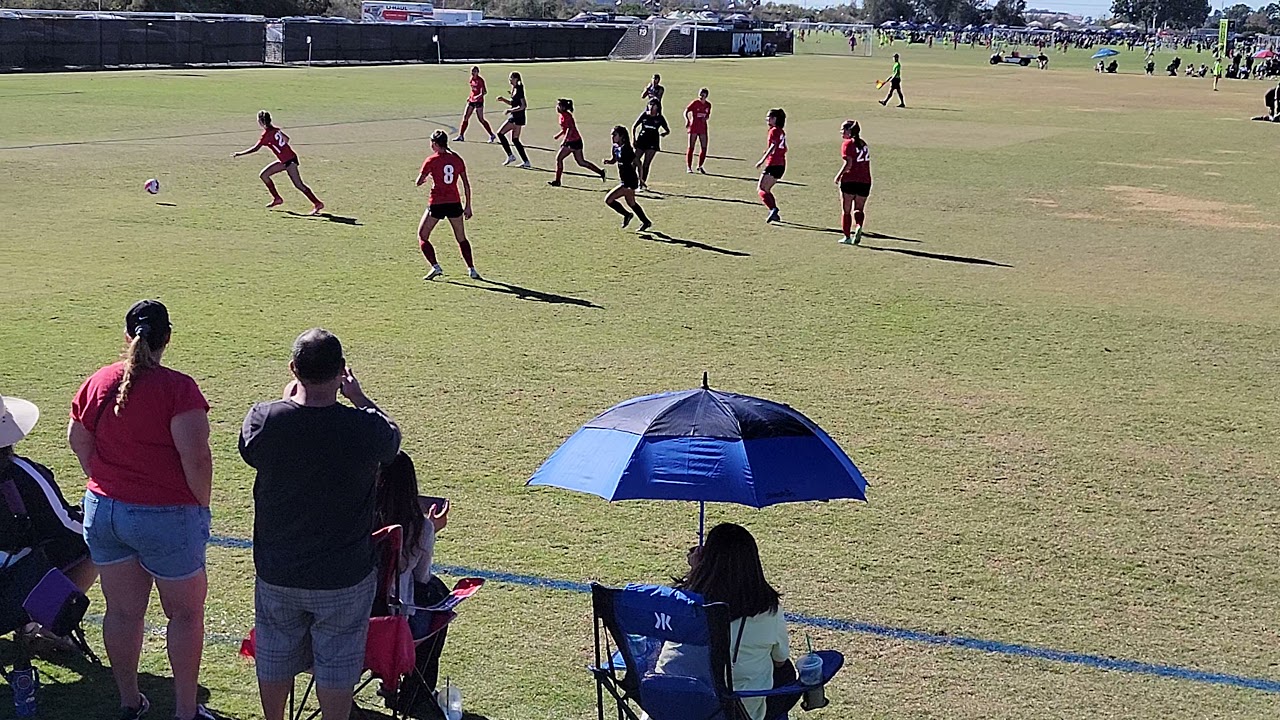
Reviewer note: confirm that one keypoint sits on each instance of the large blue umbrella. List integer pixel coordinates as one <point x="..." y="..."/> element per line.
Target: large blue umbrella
<point x="1105" y="53"/>
<point x="707" y="446"/>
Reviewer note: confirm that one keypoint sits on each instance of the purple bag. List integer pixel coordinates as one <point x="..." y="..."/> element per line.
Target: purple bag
<point x="56" y="603"/>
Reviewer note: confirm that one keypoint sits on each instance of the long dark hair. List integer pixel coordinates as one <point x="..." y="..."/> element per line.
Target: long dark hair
<point x="397" y="500"/>
<point x="728" y="570"/>
<point x="626" y="137"/>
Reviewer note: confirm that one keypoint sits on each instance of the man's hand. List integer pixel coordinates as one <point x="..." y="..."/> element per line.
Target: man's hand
<point x="351" y="389"/>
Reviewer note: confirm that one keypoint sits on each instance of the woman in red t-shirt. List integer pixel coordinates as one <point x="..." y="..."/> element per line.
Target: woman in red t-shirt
<point x="572" y="144"/>
<point x="141" y="433"/>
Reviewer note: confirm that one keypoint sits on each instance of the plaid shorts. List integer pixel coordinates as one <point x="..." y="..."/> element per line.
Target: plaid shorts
<point x="324" y="630"/>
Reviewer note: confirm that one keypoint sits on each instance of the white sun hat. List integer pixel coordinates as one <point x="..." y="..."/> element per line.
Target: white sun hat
<point x="17" y="417"/>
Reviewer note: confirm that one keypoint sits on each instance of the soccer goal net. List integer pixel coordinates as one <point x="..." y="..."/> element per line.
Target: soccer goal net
<point x="658" y="39"/>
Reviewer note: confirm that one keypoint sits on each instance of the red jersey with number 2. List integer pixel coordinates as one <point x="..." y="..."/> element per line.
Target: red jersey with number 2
<point x="275" y="139"/>
<point x="778" y="141"/>
<point x="699" y="110"/>
<point x="445" y="169"/>
<point x="860" y="170"/>
<point x="477" y="89"/>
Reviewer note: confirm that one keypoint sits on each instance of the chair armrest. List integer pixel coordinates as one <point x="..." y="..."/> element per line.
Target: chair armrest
<point x="832" y="661"/>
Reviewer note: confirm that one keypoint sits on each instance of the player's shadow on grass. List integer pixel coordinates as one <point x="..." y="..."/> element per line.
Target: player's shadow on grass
<point x="571" y="173"/>
<point x="660" y="196"/>
<point x="523" y="293"/>
<point x="753" y="179"/>
<point x="340" y="219"/>
<point x="938" y="256"/>
<point x="655" y="236"/>
<point x="167" y="204"/>
<point x="833" y="231"/>
<point x="680" y="153"/>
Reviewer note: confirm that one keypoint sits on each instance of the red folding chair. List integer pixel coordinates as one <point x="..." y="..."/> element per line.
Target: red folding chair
<point x="390" y="648"/>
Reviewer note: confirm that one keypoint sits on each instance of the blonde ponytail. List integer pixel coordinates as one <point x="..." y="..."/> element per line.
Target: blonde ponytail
<point x="138" y="356"/>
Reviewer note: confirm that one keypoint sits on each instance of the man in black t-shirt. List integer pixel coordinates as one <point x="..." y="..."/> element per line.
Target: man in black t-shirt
<point x="317" y="463"/>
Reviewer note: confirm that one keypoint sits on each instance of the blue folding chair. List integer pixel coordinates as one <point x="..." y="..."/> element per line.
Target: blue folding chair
<point x="664" y="653"/>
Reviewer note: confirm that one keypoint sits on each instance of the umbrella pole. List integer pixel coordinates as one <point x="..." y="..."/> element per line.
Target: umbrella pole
<point x="702" y="521"/>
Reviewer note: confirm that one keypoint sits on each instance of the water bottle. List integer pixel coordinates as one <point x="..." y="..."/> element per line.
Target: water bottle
<point x="451" y="701"/>
<point x="24" y="682"/>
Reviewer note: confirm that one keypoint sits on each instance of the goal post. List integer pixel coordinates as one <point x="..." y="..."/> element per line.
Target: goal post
<point x="658" y="39"/>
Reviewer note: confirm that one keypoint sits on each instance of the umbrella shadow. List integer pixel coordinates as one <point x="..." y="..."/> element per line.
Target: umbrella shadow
<point x="330" y="217"/>
<point x="655" y="236"/>
<point x="523" y="293"/>
<point x="938" y="256"/>
<point x="753" y="179"/>
<point x="833" y="231"/>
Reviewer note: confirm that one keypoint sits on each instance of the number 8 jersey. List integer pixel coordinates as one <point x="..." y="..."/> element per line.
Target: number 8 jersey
<point x="444" y="169"/>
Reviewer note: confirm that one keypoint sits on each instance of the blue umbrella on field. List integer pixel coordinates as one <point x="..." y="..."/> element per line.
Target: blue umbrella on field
<point x="1105" y="53"/>
<point x="706" y="446"/>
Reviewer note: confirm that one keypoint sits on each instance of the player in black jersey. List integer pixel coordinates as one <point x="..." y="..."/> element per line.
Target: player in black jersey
<point x="648" y="128"/>
<point x="628" y="180"/>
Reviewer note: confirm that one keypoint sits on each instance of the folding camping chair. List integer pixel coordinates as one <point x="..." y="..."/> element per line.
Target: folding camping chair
<point x="32" y="589"/>
<point x="667" y="653"/>
<point x="389" y="655"/>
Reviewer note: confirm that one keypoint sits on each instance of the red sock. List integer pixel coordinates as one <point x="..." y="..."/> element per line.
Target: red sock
<point x="485" y="125"/>
<point x="463" y="130"/>
<point x="271" y="188"/>
<point x="858" y="217"/>
<point x="846" y="222"/>
<point x="465" y="247"/>
<point x="428" y="252"/>
<point x="769" y="202"/>
<point x="702" y="157"/>
<point x="688" y="157"/>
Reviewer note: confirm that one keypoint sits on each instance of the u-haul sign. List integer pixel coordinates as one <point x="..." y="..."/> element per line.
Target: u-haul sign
<point x="395" y="12"/>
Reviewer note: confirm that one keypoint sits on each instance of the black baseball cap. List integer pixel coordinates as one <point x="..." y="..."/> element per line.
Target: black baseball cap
<point x="148" y="318"/>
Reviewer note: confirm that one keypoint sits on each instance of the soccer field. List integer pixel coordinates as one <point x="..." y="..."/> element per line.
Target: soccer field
<point x="1054" y="357"/>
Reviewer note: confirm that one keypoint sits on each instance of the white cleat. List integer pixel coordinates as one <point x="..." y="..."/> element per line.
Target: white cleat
<point x="435" y="273"/>
<point x="510" y="160"/>
<point x="525" y="165"/>
<point x="471" y="273"/>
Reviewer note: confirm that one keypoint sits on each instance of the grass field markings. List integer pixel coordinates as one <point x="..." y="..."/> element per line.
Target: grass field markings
<point x="1192" y="211"/>
<point x="1135" y="166"/>
<point x="524" y="293"/>
<point x="328" y="217"/>
<point x="655" y="236"/>
<point x="938" y="256"/>
<point x="996" y="647"/>
<point x="40" y="94"/>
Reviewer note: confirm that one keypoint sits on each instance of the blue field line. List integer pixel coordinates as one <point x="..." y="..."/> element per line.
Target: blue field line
<point x="917" y="636"/>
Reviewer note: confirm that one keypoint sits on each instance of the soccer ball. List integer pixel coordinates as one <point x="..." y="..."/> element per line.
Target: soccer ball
<point x="152" y="186"/>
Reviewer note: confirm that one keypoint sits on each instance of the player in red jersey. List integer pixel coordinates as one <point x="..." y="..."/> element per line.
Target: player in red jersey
<point x="446" y="170"/>
<point x="854" y="181"/>
<point x="286" y="161"/>
<point x="774" y="161"/>
<point x="572" y="144"/>
<point x="475" y="104"/>
<point x="695" y="119"/>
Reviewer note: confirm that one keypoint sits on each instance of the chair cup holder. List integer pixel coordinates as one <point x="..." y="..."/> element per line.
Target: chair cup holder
<point x="814" y="699"/>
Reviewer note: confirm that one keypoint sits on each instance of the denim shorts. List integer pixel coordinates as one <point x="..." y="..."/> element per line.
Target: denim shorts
<point x="324" y="630"/>
<point x="167" y="540"/>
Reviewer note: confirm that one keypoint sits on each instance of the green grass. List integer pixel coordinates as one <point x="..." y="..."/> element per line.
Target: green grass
<point x="1075" y="448"/>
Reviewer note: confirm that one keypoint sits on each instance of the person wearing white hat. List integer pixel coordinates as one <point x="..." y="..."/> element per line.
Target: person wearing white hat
<point x="51" y="523"/>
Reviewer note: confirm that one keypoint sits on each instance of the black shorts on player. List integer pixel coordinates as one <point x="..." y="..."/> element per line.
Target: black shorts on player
<point x="294" y="161"/>
<point x="776" y="171"/>
<point x="517" y="118"/>
<point x="476" y="104"/>
<point x="857" y="189"/>
<point x="647" y="142"/>
<point x="441" y="211"/>
<point x="572" y="144"/>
